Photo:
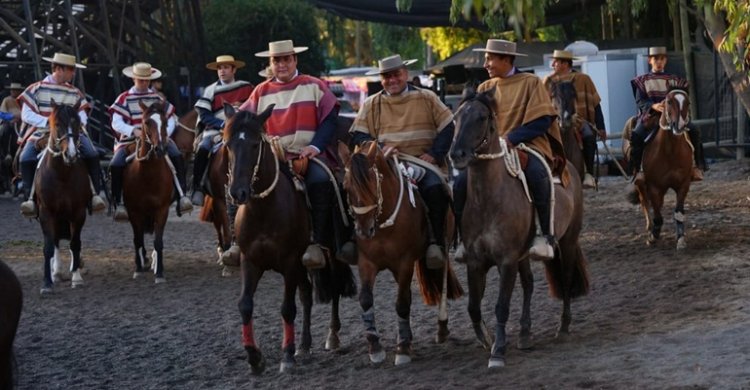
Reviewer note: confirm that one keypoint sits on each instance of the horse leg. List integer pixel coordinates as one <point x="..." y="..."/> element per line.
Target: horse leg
<point x="443" y="331"/>
<point x="140" y="251"/>
<point x="288" y="314"/>
<point x="75" y="251"/>
<point x="403" y="310"/>
<point x="49" y="251"/>
<point x="527" y="283"/>
<point x="157" y="257"/>
<point x="657" y="201"/>
<point x="477" y="280"/>
<point x="367" y="273"/>
<point x="305" y="297"/>
<point x="58" y="274"/>
<point x="250" y="277"/>
<point x="507" y="272"/>
<point x="332" y="341"/>
<point x="679" y="217"/>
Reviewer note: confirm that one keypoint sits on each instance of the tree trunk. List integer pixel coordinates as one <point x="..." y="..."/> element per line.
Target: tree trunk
<point x="715" y="26"/>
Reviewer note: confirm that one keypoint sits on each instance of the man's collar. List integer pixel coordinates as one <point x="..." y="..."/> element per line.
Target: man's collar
<point x="133" y="90"/>
<point x="408" y="88"/>
<point x="296" y="73"/>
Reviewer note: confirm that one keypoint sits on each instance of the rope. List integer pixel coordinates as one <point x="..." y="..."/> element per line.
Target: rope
<point x="254" y="178"/>
<point x="339" y="200"/>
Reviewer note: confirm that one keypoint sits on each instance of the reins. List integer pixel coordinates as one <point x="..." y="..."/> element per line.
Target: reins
<point x="378" y="206"/>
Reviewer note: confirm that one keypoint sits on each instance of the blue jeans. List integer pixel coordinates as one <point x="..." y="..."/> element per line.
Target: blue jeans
<point x="118" y="160"/>
<point x="86" y="149"/>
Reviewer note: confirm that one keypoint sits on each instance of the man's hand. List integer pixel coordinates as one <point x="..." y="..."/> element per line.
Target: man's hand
<point x="309" y="151"/>
<point x="602" y="134"/>
<point x="428" y="157"/>
<point x="658" y="107"/>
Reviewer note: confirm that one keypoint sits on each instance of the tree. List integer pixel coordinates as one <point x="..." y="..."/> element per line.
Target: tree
<point x="445" y="41"/>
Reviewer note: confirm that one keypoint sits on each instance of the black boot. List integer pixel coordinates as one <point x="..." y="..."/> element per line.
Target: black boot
<point x="97" y="200"/>
<point x="183" y="203"/>
<point x="321" y="202"/>
<point x="28" y="207"/>
<point x="698" y="157"/>
<point x="589" y="153"/>
<point x="348" y="252"/>
<point x="539" y="186"/>
<point x="636" y="149"/>
<point x="200" y="163"/>
<point x="120" y="214"/>
<point x="437" y="205"/>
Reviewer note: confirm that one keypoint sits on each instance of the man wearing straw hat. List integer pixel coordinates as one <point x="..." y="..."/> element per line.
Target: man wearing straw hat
<point x="304" y="119"/>
<point x="650" y="90"/>
<point x="588" y="109"/>
<point x="210" y="109"/>
<point x="36" y="103"/>
<point x="413" y="122"/>
<point x="12" y="112"/>
<point x="525" y="114"/>
<point x="126" y="122"/>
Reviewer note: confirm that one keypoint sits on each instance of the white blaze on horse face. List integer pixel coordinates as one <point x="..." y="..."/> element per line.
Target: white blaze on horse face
<point x="157" y="119"/>
<point x="242" y="136"/>
<point x="71" y="144"/>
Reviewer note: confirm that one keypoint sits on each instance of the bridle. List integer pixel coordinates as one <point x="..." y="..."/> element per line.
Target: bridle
<point x="355" y="211"/>
<point x="265" y="143"/>
<point x="491" y="129"/>
<point x="139" y="142"/>
<point x="681" y="121"/>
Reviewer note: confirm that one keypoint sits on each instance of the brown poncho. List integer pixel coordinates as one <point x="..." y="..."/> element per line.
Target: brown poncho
<point x="587" y="98"/>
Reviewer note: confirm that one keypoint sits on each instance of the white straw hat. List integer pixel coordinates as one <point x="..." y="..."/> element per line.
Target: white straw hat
<point x="65" y="60"/>
<point x="142" y="70"/>
<point x="281" y="48"/>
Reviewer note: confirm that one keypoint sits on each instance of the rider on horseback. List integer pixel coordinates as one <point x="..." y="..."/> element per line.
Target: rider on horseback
<point x="524" y="114"/>
<point x="37" y="106"/>
<point x="649" y="91"/>
<point x="126" y="122"/>
<point x="587" y="107"/>
<point x="210" y="109"/>
<point x="413" y="121"/>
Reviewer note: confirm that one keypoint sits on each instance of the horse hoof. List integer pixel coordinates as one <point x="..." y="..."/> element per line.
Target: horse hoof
<point x="45" y="291"/>
<point x="524" y="343"/>
<point x="332" y="342"/>
<point x="226" y="272"/>
<point x="160" y="280"/>
<point x="496" y="363"/>
<point x="681" y="243"/>
<point x="285" y="367"/>
<point x="76" y="284"/>
<point x="302" y="352"/>
<point x="377" y="357"/>
<point x="402" y="359"/>
<point x="562" y="335"/>
<point x="651" y="240"/>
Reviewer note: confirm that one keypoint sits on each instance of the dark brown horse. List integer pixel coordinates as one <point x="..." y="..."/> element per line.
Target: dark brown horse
<point x="498" y="227"/>
<point x="273" y="229"/>
<point x="564" y="98"/>
<point x="392" y="235"/>
<point x="667" y="164"/>
<point x="215" y="205"/>
<point x="63" y="189"/>
<point x="11" y="301"/>
<point x="147" y="189"/>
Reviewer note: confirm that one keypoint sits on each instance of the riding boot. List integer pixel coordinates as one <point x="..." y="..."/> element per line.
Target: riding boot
<point x="542" y="247"/>
<point x="321" y="197"/>
<point x="636" y="152"/>
<point x="348" y="252"/>
<point x="437" y="206"/>
<point x="200" y="163"/>
<point x="459" y="200"/>
<point x="97" y="200"/>
<point x="700" y="163"/>
<point x="184" y="205"/>
<point x="28" y="206"/>
<point x="121" y="214"/>
<point x="589" y="153"/>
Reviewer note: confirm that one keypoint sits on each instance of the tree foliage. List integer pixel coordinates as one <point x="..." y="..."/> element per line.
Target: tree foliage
<point x="445" y="41"/>
<point x="737" y="37"/>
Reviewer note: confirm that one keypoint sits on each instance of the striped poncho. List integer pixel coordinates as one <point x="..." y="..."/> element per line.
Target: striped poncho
<point x="38" y="97"/>
<point x="216" y="94"/>
<point x="587" y="97"/>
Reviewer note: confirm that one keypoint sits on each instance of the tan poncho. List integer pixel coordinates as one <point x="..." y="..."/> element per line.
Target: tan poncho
<point x="587" y="98"/>
<point x="522" y="98"/>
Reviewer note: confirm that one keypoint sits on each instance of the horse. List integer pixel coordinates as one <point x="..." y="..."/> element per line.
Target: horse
<point x="498" y="227"/>
<point x="667" y="164"/>
<point x="62" y="190"/>
<point x="564" y="99"/>
<point x="11" y="301"/>
<point x="8" y="148"/>
<point x="147" y="189"/>
<point x="266" y="193"/>
<point x="376" y="188"/>
<point x="184" y="137"/>
<point x="215" y="205"/>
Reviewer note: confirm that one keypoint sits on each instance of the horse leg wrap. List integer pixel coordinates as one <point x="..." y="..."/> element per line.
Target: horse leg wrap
<point x="288" y="336"/>
<point x="368" y="317"/>
<point x="404" y="331"/>
<point x="248" y="336"/>
<point x="679" y="217"/>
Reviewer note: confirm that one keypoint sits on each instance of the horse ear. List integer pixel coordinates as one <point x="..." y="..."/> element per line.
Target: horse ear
<point x="142" y="106"/>
<point x="229" y="110"/>
<point x="263" y="116"/>
<point x="344" y="153"/>
<point x="468" y="92"/>
<point x="53" y="103"/>
<point x="489" y="95"/>
<point x="371" y="152"/>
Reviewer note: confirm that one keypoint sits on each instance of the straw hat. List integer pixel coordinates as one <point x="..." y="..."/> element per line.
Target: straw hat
<point x="281" y="48"/>
<point x="225" y="59"/>
<point x="501" y="46"/>
<point x="142" y="70"/>
<point x="64" y="59"/>
<point x="266" y="72"/>
<point x="15" y="86"/>
<point x="657" y="51"/>
<point x="389" y="64"/>
<point x="563" y="55"/>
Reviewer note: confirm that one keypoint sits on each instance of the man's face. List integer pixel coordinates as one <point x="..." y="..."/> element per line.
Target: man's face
<point x="560" y="66"/>
<point x="64" y="73"/>
<point x="141" y="84"/>
<point x="226" y="73"/>
<point x="657" y="63"/>
<point x="15" y="93"/>
<point x="497" y="65"/>
<point x="394" y="82"/>
<point x="284" y="67"/>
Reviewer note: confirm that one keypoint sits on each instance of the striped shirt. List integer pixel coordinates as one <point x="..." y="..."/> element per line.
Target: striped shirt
<point x="216" y="94"/>
<point x="652" y="88"/>
<point x="38" y="97"/>
<point x="126" y="105"/>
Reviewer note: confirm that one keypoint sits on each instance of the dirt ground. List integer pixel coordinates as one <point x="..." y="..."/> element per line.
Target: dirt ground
<point x="655" y="317"/>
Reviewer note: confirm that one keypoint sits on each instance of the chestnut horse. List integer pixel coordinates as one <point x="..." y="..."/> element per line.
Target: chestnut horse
<point x="147" y="189"/>
<point x="564" y="98"/>
<point x="377" y="189"/>
<point x="215" y="204"/>
<point x="667" y="164"/>
<point x="498" y="226"/>
<point x="63" y="190"/>
<point x="11" y="301"/>
<point x="184" y="138"/>
<point x="273" y="229"/>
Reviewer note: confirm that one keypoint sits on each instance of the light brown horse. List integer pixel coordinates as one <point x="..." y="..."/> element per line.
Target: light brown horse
<point x="498" y="227"/>
<point x="147" y="189"/>
<point x="564" y="99"/>
<point x="667" y="164"/>
<point x="392" y="235"/>
<point x="63" y="189"/>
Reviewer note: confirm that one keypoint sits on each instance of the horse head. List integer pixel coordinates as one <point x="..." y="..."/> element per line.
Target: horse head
<point x="564" y="99"/>
<point x="64" y="131"/>
<point x="475" y="127"/>
<point x="363" y="183"/>
<point x="245" y="141"/>
<point x="676" y="113"/>
<point x="153" y="130"/>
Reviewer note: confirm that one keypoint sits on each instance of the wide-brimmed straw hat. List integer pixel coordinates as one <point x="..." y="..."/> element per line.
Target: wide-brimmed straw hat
<point x="657" y="51"/>
<point x="65" y="60"/>
<point x="280" y="49"/>
<point x="225" y="60"/>
<point x="389" y="64"/>
<point x="15" y="86"/>
<point x="142" y="70"/>
<point x="266" y="72"/>
<point x="501" y="46"/>
<point x="563" y="55"/>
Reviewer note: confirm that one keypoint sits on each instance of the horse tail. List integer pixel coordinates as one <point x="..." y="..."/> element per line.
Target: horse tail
<point x="336" y="279"/>
<point x="567" y="274"/>
<point x="207" y="214"/>
<point x="431" y="283"/>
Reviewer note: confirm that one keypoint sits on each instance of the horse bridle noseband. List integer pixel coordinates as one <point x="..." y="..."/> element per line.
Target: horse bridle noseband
<point x="56" y="152"/>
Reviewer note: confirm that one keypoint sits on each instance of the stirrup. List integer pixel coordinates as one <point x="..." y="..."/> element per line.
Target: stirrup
<point x="230" y="257"/>
<point x="121" y="213"/>
<point x="541" y="249"/>
<point x="314" y="258"/>
<point x="435" y="257"/>
<point x="185" y="205"/>
<point x="589" y="181"/>
<point x="697" y="174"/>
<point x="197" y="198"/>
<point x="28" y="209"/>
<point x="459" y="255"/>
<point x="348" y="253"/>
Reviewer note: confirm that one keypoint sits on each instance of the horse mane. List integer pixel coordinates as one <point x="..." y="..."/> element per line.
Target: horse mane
<point x="234" y="121"/>
<point x="485" y="97"/>
<point x="62" y="113"/>
<point x="359" y="168"/>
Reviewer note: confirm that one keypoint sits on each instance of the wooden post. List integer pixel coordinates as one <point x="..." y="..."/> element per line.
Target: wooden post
<point x="741" y="129"/>
<point x="687" y="54"/>
<point x="74" y="39"/>
<point x="32" y="39"/>
<point x="110" y="47"/>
